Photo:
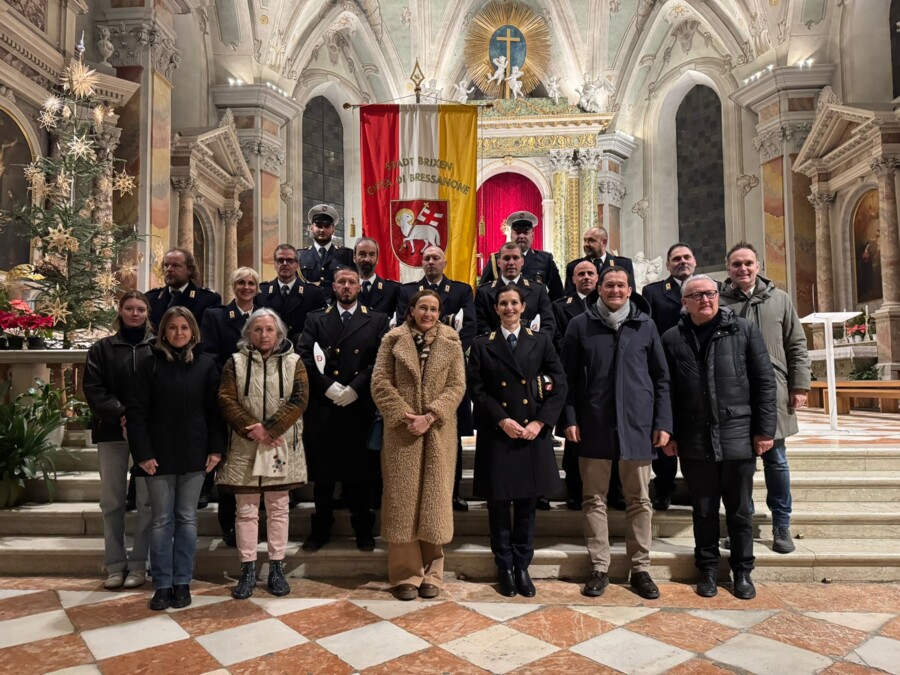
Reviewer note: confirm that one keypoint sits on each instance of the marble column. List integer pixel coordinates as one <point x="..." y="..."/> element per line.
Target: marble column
<point x="821" y="202"/>
<point x="560" y="162"/>
<point x="230" y="218"/>
<point x="187" y="190"/>
<point x="887" y="318"/>
<point x="589" y="160"/>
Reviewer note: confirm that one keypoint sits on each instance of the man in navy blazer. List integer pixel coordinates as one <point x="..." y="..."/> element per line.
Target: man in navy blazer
<point x="595" y="241"/>
<point x="376" y="293"/>
<point x="288" y="294"/>
<point x="181" y="290"/>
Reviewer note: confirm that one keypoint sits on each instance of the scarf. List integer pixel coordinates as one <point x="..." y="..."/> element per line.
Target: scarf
<point x="612" y="319"/>
<point x="423" y="344"/>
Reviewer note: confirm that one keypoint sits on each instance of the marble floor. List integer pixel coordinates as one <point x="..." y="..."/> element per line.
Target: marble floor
<point x="65" y="625"/>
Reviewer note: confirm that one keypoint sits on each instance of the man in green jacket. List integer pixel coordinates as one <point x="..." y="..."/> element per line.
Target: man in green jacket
<point x="771" y="309"/>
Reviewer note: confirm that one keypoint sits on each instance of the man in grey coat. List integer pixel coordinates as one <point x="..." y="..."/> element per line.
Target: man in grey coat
<point x="618" y="408"/>
<point x="771" y="309"/>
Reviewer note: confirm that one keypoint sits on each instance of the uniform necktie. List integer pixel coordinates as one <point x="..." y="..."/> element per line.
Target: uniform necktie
<point x="345" y="316"/>
<point x="511" y="340"/>
<point x="322" y="253"/>
<point x="284" y="291"/>
<point x="366" y="287"/>
<point x="176" y="296"/>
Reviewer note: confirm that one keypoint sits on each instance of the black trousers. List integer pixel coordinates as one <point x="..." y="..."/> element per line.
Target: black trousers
<point x="360" y="498"/>
<point x="227" y="511"/>
<point x="574" y="484"/>
<point x="457" y="476"/>
<point x="665" y="468"/>
<point x="731" y="483"/>
<point x="512" y="536"/>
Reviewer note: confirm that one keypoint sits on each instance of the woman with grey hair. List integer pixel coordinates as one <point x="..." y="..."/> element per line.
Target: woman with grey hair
<point x="263" y="394"/>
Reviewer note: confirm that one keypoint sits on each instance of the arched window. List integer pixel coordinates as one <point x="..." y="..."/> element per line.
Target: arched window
<point x="701" y="176"/>
<point x="895" y="44"/>
<point x="323" y="158"/>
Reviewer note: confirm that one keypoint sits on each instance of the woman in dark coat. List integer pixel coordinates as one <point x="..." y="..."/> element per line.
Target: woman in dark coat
<point x="176" y="435"/>
<point x="518" y="390"/>
<point x="111" y="366"/>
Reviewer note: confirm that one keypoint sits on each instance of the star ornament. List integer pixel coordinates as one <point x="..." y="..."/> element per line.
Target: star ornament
<point x="81" y="79"/>
<point x="123" y="183"/>
<point x="127" y="269"/>
<point x="61" y="239"/>
<point x="52" y="104"/>
<point x="81" y="147"/>
<point x="33" y="174"/>
<point x="64" y="184"/>
<point x="47" y="120"/>
<point x="106" y="282"/>
<point x="57" y="309"/>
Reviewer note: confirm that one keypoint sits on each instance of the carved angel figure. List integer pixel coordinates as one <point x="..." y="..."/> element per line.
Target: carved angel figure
<point x="514" y="82"/>
<point x="553" y="89"/>
<point x="462" y="94"/>
<point x="645" y="271"/>
<point x="432" y="91"/>
<point x="500" y="73"/>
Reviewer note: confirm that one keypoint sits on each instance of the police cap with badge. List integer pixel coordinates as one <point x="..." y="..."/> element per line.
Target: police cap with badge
<point x="322" y="214"/>
<point x="521" y="221"/>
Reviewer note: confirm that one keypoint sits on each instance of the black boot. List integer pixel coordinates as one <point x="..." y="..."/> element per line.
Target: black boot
<point x="319" y="534"/>
<point x="277" y="584"/>
<point x="246" y="583"/>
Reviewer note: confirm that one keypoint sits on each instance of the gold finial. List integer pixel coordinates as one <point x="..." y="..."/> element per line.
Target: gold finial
<point x="417" y="77"/>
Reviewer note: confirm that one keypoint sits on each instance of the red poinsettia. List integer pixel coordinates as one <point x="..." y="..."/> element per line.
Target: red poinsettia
<point x="23" y="320"/>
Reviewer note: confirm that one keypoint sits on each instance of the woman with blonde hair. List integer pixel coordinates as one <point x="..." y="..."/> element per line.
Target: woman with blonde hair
<point x="176" y="437"/>
<point x="263" y="395"/>
<point x="417" y="384"/>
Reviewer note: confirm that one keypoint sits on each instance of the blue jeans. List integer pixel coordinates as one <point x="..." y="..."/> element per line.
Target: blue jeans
<point x="173" y="535"/>
<point x="113" y="458"/>
<point x="778" y="484"/>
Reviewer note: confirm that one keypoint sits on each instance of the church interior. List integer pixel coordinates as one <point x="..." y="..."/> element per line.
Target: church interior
<point x="711" y="122"/>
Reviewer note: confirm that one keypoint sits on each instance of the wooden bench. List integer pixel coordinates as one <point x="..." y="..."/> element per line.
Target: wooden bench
<point x="886" y="392"/>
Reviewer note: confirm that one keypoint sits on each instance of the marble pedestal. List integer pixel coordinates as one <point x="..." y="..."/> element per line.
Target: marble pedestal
<point x="887" y="334"/>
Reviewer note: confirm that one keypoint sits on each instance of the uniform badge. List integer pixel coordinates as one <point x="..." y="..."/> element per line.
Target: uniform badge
<point x="528" y="330"/>
<point x="380" y="286"/>
<point x="300" y="289"/>
<point x="668" y="286"/>
<point x="526" y="283"/>
<point x="231" y="314"/>
<point x="271" y="288"/>
<point x="363" y="309"/>
<point x="193" y="293"/>
<point x="493" y="335"/>
<point x="612" y="263"/>
<point x="447" y="288"/>
<point x="569" y="301"/>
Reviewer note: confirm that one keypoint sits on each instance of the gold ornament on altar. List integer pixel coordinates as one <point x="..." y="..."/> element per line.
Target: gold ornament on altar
<point x="57" y="308"/>
<point x="80" y="79"/>
<point x="61" y="239"/>
<point x="106" y="281"/>
<point x="123" y="183"/>
<point x="504" y="35"/>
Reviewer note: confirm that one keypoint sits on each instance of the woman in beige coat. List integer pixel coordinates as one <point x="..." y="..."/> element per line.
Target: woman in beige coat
<point x="263" y="394"/>
<point x="418" y="382"/>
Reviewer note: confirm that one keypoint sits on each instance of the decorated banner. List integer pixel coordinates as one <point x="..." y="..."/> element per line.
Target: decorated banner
<point x="419" y="172"/>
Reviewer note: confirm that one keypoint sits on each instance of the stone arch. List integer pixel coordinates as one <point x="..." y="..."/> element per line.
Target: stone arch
<point x="532" y="172"/>
<point x="843" y="263"/>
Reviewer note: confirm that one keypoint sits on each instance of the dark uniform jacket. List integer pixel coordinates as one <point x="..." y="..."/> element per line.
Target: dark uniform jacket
<point x="507" y="384"/>
<point x="564" y="310"/>
<point x="109" y="382"/>
<point x="320" y="272"/>
<point x="194" y="298"/>
<point x="455" y="296"/>
<point x="611" y="261"/>
<point x="538" y="266"/>
<point x="293" y="310"/>
<point x="664" y="298"/>
<point x="383" y="296"/>
<point x="618" y="384"/>
<point x="722" y="398"/>
<point x="221" y="330"/>
<point x="174" y="417"/>
<point x="536" y="302"/>
<point x="335" y="436"/>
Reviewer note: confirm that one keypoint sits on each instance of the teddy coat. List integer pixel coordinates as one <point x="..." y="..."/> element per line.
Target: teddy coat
<point x="274" y="392"/>
<point x="418" y="470"/>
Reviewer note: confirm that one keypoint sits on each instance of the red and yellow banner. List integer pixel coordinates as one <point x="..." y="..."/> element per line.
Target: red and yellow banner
<point x="419" y="172"/>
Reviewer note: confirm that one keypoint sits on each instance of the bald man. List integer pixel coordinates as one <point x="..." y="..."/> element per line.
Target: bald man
<point x="596" y="240"/>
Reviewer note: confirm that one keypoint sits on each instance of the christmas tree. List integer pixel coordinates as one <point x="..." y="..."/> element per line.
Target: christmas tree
<point x="81" y="256"/>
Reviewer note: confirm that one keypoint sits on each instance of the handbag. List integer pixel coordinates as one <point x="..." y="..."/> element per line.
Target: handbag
<point x="375" y="439"/>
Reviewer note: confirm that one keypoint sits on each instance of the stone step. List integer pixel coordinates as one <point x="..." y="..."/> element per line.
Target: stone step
<point x="559" y="558"/>
<point x="829" y="520"/>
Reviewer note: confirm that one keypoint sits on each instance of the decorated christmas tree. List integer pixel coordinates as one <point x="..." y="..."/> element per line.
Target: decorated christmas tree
<point x="81" y="257"/>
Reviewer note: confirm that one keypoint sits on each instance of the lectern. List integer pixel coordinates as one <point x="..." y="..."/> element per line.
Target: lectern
<point x="829" y="319"/>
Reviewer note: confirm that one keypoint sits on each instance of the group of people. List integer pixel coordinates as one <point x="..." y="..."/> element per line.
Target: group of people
<point x="333" y="375"/>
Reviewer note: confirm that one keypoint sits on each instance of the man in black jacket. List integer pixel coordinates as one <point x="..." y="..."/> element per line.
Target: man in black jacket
<point x="664" y="298"/>
<point x="376" y="293"/>
<point x="724" y="405"/>
<point x="288" y="294"/>
<point x="319" y="262"/>
<point x="181" y="289"/>
<point x="595" y="241"/>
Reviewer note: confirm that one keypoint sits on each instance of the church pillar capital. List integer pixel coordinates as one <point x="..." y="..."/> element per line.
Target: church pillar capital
<point x="138" y="37"/>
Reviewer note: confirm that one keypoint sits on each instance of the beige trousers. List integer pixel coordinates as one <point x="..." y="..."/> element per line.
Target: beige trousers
<point x="635" y="476"/>
<point x="415" y="562"/>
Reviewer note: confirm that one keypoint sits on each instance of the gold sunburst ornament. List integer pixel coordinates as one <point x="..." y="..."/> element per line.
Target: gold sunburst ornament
<point x="80" y="79"/>
<point x="503" y="35"/>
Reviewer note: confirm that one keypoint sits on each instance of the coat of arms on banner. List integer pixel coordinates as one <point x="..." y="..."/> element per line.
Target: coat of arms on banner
<point x="415" y="224"/>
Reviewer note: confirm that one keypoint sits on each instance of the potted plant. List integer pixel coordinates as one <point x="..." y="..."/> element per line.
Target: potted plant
<point x="27" y="451"/>
<point x="857" y="332"/>
<point x="20" y="322"/>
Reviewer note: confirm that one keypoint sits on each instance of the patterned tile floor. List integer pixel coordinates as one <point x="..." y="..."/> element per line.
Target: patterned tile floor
<point x="346" y="626"/>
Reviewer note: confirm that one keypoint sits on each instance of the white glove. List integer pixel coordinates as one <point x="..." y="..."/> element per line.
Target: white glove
<point x="346" y="397"/>
<point x="334" y="391"/>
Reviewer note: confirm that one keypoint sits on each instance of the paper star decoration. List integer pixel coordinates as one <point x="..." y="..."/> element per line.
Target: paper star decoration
<point x="64" y="184"/>
<point x="57" y="309"/>
<point x="66" y="112"/>
<point x="80" y="79"/>
<point x="81" y="147"/>
<point x="106" y="281"/>
<point x="33" y="174"/>
<point x="123" y="183"/>
<point x="61" y="239"/>
<point x="127" y="269"/>
<point x="52" y="104"/>
<point x="47" y="120"/>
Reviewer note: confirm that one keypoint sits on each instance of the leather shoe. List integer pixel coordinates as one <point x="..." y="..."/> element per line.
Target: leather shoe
<point x="406" y="592"/>
<point x="460" y="504"/>
<point x="162" y="599"/>
<point x="743" y="586"/>
<point x="644" y="586"/>
<point x="313" y="544"/>
<point x="596" y="585"/>
<point x="706" y="587"/>
<point x="203" y="501"/>
<point x="181" y="595"/>
<point x="429" y="591"/>
<point x="524" y="584"/>
<point x="507" y="585"/>
<point x="662" y="503"/>
<point x="543" y="504"/>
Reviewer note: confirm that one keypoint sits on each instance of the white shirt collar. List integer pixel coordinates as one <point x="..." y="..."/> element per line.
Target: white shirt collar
<point x="581" y="296"/>
<point x="341" y="309"/>
<point x="513" y="281"/>
<point x="678" y="281"/>
<point x="182" y="289"/>
<point x="507" y="333"/>
<point x="290" y="286"/>
<point x="371" y="280"/>
<point x="327" y="248"/>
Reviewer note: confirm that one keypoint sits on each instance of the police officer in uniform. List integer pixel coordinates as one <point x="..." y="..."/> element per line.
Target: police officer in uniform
<point x="289" y="294"/>
<point x="537" y="302"/>
<point x="376" y="293"/>
<point x="539" y="265"/>
<point x="664" y="298"/>
<point x="566" y="309"/>
<point x="343" y="341"/>
<point x="455" y="296"/>
<point x="595" y="241"/>
<point x="319" y="262"/>
<point x="181" y="289"/>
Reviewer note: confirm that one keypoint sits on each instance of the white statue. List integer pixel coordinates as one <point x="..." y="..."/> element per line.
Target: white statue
<point x="553" y="89"/>
<point x="514" y="82"/>
<point x="595" y="94"/>
<point x="104" y="46"/>
<point x="645" y="271"/>
<point x="462" y="94"/>
<point x="432" y="91"/>
<point x="500" y="73"/>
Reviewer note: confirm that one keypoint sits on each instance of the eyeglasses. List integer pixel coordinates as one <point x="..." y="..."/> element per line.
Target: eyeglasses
<point x="696" y="297"/>
<point x="285" y="261"/>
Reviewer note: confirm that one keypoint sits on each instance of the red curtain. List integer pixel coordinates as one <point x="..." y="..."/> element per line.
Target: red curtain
<point x="499" y="196"/>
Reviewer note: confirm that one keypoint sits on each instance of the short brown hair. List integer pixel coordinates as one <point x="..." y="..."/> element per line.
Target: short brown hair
<point x="414" y="299"/>
<point x="741" y="245"/>
<point x="187" y="355"/>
